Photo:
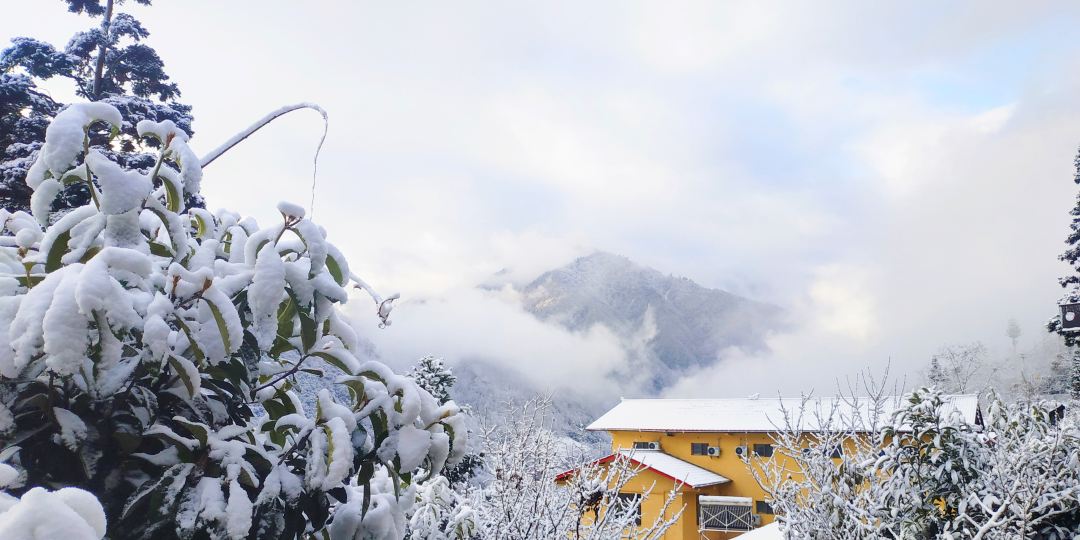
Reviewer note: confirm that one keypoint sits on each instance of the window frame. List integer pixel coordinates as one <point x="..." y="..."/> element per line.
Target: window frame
<point x="742" y="517"/>
<point x="631" y="499"/>
<point x="763" y="507"/>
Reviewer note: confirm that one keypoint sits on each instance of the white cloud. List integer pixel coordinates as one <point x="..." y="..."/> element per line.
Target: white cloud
<point x="896" y="175"/>
<point x="475" y="325"/>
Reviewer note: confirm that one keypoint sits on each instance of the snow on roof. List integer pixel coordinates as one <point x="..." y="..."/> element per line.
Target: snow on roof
<point x="665" y="465"/>
<point x="768" y="532"/>
<point x="758" y="415"/>
<point x="674" y="468"/>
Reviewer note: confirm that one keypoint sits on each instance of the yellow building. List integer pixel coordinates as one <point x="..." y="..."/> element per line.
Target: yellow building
<point x="701" y="443"/>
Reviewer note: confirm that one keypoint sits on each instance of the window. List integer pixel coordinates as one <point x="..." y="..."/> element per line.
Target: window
<point x="836" y="451"/>
<point x="763" y="450"/>
<point x="631" y="501"/>
<point x="718" y="513"/>
<point x="699" y="449"/>
<point x="646" y="445"/>
<point x="762" y="507"/>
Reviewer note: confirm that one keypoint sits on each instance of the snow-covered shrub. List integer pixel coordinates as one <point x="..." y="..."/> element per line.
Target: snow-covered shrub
<point x="148" y="354"/>
<point x="523" y="493"/>
<point x="927" y="473"/>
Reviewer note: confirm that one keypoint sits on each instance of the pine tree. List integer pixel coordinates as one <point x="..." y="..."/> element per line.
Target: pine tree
<point x="107" y="63"/>
<point x="1013" y="332"/>
<point x="1074" y="377"/>
<point x="936" y="376"/>
<point x="432" y="374"/>
<point x="1057" y="380"/>
<point x="1071" y="284"/>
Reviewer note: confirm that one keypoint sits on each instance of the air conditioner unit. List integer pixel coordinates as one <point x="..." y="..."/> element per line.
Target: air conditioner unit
<point x="652" y="445"/>
<point x="713" y="451"/>
<point x="757" y="520"/>
<point x="741" y="451"/>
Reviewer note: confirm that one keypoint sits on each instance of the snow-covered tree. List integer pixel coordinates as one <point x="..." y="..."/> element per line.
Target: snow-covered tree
<point x="935" y="376"/>
<point x="149" y="353"/>
<point x="1013" y="332"/>
<point x="1074" y="377"/>
<point x="523" y="496"/>
<point x="1071" y="284"/>
<point x="432" y="374"/>
<point x="110" y="62"/>
<point x="927" y="473"/>
<point x="963" y="368"/>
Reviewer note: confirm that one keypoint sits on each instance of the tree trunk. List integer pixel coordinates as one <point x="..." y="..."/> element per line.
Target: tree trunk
<point x="100" y="67"/>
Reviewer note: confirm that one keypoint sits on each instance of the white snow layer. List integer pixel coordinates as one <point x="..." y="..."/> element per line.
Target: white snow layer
<point x="67" y="514"/>
<point x="756" y="414"/>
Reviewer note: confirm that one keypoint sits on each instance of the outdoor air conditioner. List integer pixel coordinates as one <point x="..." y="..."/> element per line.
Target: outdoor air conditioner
<point x="713" y="451"/>
<point x="741" y="451"/>
<point x="652" y="445"/>
<point x="757" y="520"/>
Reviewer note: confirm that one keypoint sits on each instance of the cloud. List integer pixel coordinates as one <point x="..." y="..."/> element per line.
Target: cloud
<point x="471" y="325"/>
<point x="896" y="175"/>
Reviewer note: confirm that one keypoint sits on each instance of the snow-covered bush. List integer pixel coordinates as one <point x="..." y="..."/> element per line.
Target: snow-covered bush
<point x="927" y="473"/>
<point x="148" y="354"/>
<point x="535" y="486"/>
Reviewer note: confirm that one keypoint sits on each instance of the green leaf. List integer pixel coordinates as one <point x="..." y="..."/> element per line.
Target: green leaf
<point x="281" y="345"/>
<point x="200" y="225"/>
<point x="334" y="361"/>
<point x="172" y="196"/>
<point x="335" y="270"/>
<point x="161" y="250"/>
<point x="200" y="356"/>
<point x="223" y="328"/>
<point x="89" y="254"/>
<point x="56" y="251"/>
<point x="30" y="281"/>
<point x="174" y="241"/>
<point x="286" y="312"/>
<point x="307" y="331"/>
<point x="70" y="179"/>
<point x="183" y="374"/>
<point x="200" y="431"/>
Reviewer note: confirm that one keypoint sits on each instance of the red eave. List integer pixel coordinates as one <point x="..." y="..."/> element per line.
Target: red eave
<point x="609" y="458"/>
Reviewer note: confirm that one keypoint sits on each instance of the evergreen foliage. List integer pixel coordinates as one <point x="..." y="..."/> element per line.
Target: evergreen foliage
<point x="1071" y="284"/>
<point x="935" y="375"/>
<point x="110" y="63"/>
<point x="925" y="472"/>
<point x="149" y="354"/>
<point x="433" y="375"/>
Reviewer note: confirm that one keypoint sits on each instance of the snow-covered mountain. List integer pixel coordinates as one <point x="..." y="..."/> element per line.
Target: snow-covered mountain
<point x="680" y="324"/>
<point x="669" y="326"/>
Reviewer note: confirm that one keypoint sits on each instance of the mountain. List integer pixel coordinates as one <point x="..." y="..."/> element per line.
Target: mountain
<point x="680" y="324"/>
<point x="489" y="390"/>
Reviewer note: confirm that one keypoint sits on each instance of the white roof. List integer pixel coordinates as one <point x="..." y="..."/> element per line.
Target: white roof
<point x="758" y="414"/>
<point x="675" y="468"/>
<point x="768" y="532"/>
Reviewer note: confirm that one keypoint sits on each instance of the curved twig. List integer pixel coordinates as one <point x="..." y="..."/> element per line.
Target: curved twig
<point x="235" y="139"/>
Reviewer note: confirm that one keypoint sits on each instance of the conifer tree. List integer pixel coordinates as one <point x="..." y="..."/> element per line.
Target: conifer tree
<point x="432" y="374"/>
<point x="109" y="62"/>
<point x="936" y="376"/>
<point x="1071" y="284"/>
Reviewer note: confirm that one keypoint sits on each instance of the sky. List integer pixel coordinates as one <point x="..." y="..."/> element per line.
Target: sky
<point x="896" y="176"/>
